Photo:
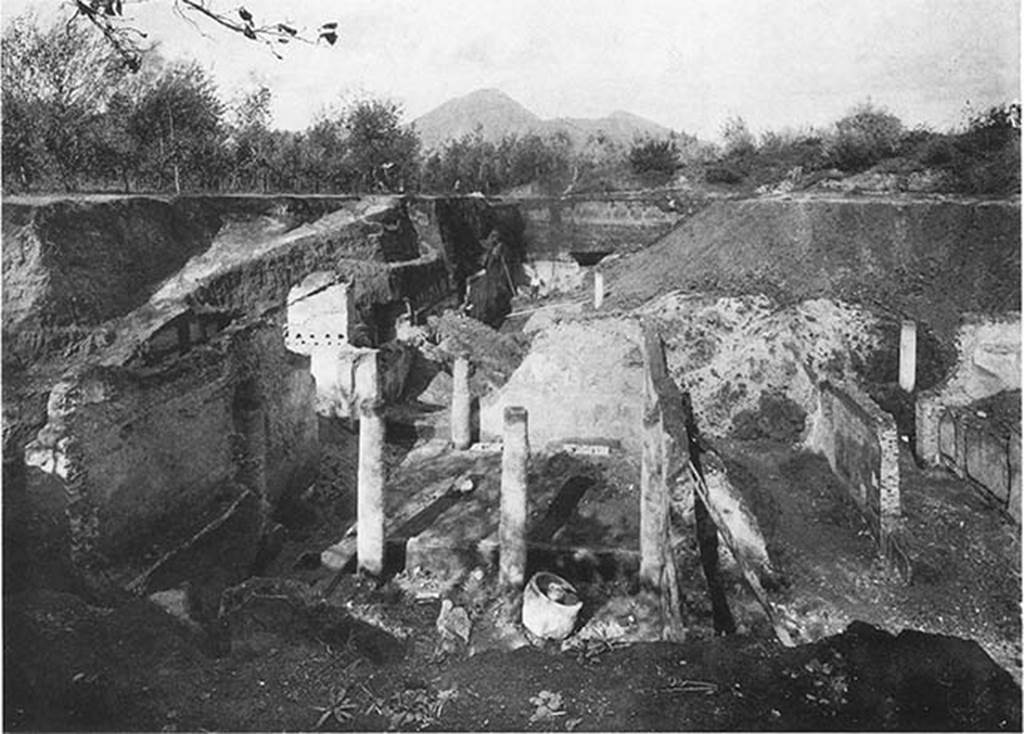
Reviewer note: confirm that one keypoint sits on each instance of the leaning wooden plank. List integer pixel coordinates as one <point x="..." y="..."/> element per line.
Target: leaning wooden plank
<point x="774" y="614"/>
<point x="141" y="583"/>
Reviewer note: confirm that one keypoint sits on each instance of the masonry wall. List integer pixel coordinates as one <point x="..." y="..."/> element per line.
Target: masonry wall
<point x="581" y="381"/>
<point x="977" y="446"/>
<point x="140" y="451"/>
<point x="860" y="442"/>
<point x="988" y="362"/>
<point x="424" y="281"/>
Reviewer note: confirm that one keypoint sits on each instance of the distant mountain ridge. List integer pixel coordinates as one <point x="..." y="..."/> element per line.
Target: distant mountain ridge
<point x="498" y="115"/>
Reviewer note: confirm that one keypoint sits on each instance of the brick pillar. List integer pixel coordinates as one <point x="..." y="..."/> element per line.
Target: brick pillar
<point x="908" y="355"/>
<point x="461" y="406"/>
<point x="370" y="489"/>
<point x="512" y="523"/>
<point x="889" y="492"/>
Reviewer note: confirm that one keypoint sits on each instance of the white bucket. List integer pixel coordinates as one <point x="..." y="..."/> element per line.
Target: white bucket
<point x="550" y="606"/>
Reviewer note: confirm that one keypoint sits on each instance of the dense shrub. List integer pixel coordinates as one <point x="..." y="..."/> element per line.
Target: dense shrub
<point x="864" y="137"/>
<point x="739" y="141"/>
<point x="654" y="156"/>
<point x="724" y="173"/>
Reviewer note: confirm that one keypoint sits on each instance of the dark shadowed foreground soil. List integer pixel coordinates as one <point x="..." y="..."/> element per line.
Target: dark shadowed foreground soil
<point x="291" y="662"/>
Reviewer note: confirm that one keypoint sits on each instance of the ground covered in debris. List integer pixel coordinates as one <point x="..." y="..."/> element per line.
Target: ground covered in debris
<point x="298" y="664"/>
<point x="291" y="652"/>
<point x="966" y="557"/>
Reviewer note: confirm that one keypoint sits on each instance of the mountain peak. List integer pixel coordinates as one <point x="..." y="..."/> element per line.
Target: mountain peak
<point x="496" y="115"/>
<point x="490" y="93"/>
<point x="493" y="111"/>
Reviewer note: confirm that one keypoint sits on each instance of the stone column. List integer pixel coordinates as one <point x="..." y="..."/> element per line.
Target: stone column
<point x="512" y="524"/>
<point x="461" y="405"/>
<point x="598" y="289"/>
<point x="908" y="355"/>
<point x="365" y="378"/>
<point x="370" y="489"/>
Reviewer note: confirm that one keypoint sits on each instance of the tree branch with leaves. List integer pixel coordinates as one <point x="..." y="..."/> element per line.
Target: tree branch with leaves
<point x="128" y="40"/>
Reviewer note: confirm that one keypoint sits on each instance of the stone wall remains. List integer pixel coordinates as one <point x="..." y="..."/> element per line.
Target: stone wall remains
<point x="859" y="440"/>
<point x="976" y="445"/>
<point x="139" y="450"/>
<point x="988" y="362"/>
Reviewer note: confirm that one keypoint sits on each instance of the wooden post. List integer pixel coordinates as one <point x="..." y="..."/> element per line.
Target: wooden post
<point x="461" y="406"/>
<point x="665" y="450"/>
<point x="653" y="489"/>
<point x="653" y="503"/>
<point x="512" y="523"/>
<point x="598" y="289"/>
<point x="908" y="355"/>
<point x="370" y="489"/>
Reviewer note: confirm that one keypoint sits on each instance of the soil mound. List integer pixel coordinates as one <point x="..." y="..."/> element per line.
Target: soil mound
<point x="929" y="259"/>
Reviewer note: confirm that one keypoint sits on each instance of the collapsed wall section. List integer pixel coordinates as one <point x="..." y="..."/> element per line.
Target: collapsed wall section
<point x="359" y="241"/>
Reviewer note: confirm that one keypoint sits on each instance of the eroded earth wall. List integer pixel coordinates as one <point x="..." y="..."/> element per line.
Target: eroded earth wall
<point x="614" y="222"/>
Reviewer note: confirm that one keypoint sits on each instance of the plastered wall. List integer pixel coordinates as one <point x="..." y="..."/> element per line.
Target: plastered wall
<point x="860" y="442"/>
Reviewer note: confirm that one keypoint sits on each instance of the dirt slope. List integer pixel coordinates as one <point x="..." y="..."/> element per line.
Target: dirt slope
<point x="926" y="258"/>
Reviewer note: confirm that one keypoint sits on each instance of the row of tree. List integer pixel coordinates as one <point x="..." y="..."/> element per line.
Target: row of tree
<point x="77" y="117"/>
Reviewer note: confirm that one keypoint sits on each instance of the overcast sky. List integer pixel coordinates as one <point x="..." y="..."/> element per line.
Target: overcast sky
<point x="687" y="64"/>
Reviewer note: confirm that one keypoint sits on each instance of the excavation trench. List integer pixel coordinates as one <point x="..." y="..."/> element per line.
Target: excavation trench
<point x="196" y="411"/>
